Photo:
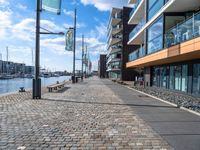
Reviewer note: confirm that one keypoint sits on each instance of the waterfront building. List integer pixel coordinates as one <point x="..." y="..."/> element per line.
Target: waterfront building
<point x="117" y="47"/>
<point x="29" y="69"/>
<point x="8" y="67"/>
<point x="102" y="66"/>
<point x="167" y="34"/>
<point x="19" y="68"/>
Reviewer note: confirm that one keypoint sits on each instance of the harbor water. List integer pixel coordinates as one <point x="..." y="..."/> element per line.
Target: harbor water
<point x="12" y="85"/>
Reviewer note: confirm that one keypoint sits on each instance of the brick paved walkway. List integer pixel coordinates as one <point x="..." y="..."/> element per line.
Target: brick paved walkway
<point x="88" y="115"/>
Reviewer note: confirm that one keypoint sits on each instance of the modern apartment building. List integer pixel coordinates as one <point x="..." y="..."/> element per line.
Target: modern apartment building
<point x="167" y="34"/>
<point x="118" y="49"/>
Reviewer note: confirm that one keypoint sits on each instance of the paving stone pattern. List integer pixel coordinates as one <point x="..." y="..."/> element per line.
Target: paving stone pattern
<point x="88" y="115"/>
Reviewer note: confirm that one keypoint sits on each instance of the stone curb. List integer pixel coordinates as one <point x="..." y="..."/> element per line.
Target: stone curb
<point x="172" y="104"/>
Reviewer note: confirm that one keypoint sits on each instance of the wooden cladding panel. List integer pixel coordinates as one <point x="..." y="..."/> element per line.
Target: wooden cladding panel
<point x="185" y="51"/>
<point x="174" y="51"/>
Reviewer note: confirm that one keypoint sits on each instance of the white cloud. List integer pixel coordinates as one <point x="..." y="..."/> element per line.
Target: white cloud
<point x="68" y="13"/>
<point x="56" y="45"/>
<point x="105" y="5"/>
<point x="25" y="30"/>
<point x="78" y="25"/>
<point x="4" y="2"/>
<point x="5" y="23"/>
<point x="74" y="2"/>
<point x="22" y="7"/>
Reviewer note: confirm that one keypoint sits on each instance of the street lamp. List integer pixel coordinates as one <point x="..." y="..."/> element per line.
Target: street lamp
<point x="37" y="81"/>
<point x="74" y="48"/>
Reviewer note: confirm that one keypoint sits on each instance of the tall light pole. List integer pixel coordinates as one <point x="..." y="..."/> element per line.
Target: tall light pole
<point x="85" y="62"/>
<point x="82" y="55"/>
<point x="37" y="81"/>
<point x="74" y="50"/>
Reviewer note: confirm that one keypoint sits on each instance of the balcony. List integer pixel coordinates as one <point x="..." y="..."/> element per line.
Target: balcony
<point x="114" y="58"/>
<point x="110" y="60"/>
<point x="114" y="40"/>
<point x="132" y="1"/>
<point x="137" y="29"/>
<point x="114" y="30"/>
<point x="137" y="54"/>
<point x="137" y="2"/>
<point x="114" y="68"/>
<point x="115" y="17"/>
<point x="183" y="31"/>
<point x="114" y="49"/>
<point x="137" y="13"/>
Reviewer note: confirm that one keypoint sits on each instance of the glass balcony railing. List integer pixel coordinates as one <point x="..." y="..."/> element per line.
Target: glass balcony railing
<point x="184" y="31"/>
<point x="134" y="8"/>
<point x="136" y="29"/>
<point x="137" y="54"/>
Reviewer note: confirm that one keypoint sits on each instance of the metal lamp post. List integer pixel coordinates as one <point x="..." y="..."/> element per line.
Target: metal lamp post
<point x="37" y="81"/>
<point x="82" y="56"/>
<point x="74" y="50"/>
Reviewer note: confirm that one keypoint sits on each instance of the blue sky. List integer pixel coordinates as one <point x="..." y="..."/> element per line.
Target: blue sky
<point x="17" y="31"/>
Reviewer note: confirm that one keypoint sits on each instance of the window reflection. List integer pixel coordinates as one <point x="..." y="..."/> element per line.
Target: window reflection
<point x="196" y="79"/>
<point x="173" y="77"/>
<point x="155" y="36"/>
<point x="154" y="6"/>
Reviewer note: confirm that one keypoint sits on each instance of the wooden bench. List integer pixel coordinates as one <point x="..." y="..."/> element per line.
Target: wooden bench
<point x="56" y="87"/>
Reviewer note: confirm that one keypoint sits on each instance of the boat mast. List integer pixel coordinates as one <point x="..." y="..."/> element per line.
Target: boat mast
<point x="7" y="59"/>
<point x="32" y="70"/>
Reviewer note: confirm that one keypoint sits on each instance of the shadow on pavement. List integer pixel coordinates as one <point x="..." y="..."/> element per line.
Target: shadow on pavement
<point x="97" y="103"/>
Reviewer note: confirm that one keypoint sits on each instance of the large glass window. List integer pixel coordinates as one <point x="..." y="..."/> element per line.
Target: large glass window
<point x="163" y="77"/>
<point x="171" y="78"/>
<point x="196" y="79"/>
<point x="177" y="74"/>
<point x="184" y="78"/>
<point x="175" y="77"/>
<point x="154" y="6"/>
<point x="155" y="36"/>
<point x="156" y="76"/>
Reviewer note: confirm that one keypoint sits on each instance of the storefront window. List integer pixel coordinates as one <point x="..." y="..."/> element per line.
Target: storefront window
<point x="177" y="74"/>
<point x="175" y="77"/>
<point x="155" y="36"/>
<point x="163" y="77"/>
<point x="196" y="79"/>
<point x="184" y="78"/>
<point x="171" y="78"/>
<point x="156" y="76"/>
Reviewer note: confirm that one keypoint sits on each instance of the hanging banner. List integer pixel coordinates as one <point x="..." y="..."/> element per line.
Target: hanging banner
<point x="69" y="40"/>
<point x="52" y="6"/>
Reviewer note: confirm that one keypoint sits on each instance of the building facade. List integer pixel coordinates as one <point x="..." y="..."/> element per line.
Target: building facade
<point x="167" y="34"/>
<point x="8" y="67"/>
<point x="118" y="49"/>
<point x="102" y="66"/>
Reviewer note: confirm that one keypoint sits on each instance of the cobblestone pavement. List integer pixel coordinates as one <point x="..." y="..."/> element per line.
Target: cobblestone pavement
<point x="87" y="115"/>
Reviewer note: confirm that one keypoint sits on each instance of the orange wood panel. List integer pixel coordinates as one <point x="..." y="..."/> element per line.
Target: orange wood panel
<point x="185" y="51"/>
<point x="174" y="51"/>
